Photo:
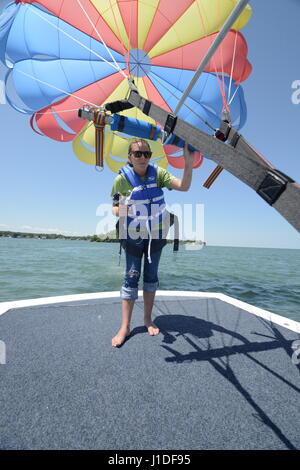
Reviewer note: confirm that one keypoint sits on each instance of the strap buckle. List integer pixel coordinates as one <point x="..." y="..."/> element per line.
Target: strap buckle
<point x="170" y="123"/>
<point x="273" y="185"/>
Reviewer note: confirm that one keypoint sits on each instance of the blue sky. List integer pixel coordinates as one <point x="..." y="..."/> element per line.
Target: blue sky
<point x="44" y="188"/>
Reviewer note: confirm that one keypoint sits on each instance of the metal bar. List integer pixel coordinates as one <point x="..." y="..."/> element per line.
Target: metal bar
<point x="242" y="161"/>
<point x="226" y="27"/>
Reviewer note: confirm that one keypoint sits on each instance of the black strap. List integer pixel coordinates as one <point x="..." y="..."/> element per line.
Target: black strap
<point x="174" y="221"/>
<point x="170" y="123"/>
<point x="121" y="123"/>
<point x="117" y="106"/>
<point x="146" y="107"/>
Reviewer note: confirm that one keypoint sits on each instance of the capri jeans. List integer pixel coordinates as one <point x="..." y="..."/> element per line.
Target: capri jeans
<point x="129" y="288"/>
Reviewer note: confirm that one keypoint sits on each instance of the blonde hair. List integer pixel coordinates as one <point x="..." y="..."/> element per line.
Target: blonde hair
<point x="138" y="140"/>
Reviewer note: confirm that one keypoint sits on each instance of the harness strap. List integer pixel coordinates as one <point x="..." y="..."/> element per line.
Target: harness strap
<point x="174" y="221"/>
<point x="224" y="133"/>
<point x="213" y="176"/>
<point x="239" y="158"/>
<point x="99" y="123"/>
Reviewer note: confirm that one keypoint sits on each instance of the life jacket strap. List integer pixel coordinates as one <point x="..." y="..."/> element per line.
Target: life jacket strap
<point x="144" y="201"/>
<point x="144" y="186"/>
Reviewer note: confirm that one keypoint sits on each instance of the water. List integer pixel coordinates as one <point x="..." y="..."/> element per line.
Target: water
<point x="267" y="278"/>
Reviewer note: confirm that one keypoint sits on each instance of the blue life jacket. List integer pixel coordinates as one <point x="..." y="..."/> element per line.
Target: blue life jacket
<point x="147" y="208"/>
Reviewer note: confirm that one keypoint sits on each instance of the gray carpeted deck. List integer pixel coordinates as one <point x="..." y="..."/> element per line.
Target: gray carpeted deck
<point x="215" y="378"/>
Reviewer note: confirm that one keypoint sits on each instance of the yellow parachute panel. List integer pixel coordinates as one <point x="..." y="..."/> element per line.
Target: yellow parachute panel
<point x="202" y="18"/>
<point x="110" y="12"/>
<point x="146" y="12"/>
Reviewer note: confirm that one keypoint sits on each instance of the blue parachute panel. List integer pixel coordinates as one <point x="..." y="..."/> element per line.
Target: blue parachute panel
<point x="35" y="32"/>
<point x="6" y="20"/>
<point x="172" y="95"/>
<point x="39" y="83"/>
<point x="205" y="98"/>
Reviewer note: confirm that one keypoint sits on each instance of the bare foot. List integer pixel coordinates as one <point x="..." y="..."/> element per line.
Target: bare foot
<point x="153" y="330"/>
<point x="120" y="337"/>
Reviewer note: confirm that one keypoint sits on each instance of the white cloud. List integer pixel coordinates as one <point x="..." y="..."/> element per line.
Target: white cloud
<point x="26" y="227"/>
<point x="40" y="229"/>
<point x="4" y="225"/>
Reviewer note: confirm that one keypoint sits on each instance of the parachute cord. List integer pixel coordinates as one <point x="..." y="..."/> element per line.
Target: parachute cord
<point x="128" y="58"/>
<point x="213" y="60"/>
<point x="62" y="111"/>
<point x="223" y="92"/>
<point x="232" y="67"/>
<point x="154" y="78"/>
<point x="117" y="68"/>
<point x="120" y="37"/>
<point x="101" y="39"/>
<point x="233" y="96"/>
<point x="55" y="88"/>
<point x="263" y="158"/>
<point x="222" y="81"/>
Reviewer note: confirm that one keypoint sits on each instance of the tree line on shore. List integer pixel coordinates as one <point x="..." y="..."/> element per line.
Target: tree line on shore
<point x="109" y="237"/>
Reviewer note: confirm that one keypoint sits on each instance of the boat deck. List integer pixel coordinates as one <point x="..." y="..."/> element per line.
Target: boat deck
<point x="220" y="375"/>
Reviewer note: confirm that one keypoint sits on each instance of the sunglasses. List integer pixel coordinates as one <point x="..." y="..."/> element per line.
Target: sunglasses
<point x="139" y="153"/>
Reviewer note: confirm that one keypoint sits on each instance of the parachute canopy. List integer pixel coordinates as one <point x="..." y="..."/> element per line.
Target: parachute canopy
<point x="61" y="54"/>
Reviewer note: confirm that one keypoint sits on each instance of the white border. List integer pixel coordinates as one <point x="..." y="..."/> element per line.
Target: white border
<point x="272" y="317"/>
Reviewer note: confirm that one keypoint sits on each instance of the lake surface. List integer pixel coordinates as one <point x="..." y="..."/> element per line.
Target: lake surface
<point x="267" y="278"/>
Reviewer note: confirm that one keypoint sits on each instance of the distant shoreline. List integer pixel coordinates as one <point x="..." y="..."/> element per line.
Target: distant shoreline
<point x="107" y="238"/>
<point x="55" y="236"/>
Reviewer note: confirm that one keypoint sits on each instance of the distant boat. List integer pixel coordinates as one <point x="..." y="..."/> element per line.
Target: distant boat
<point x="196" y="245"/>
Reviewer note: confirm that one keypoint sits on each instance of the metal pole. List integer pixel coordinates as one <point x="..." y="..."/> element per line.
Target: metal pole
<point x="222" y="33"/>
